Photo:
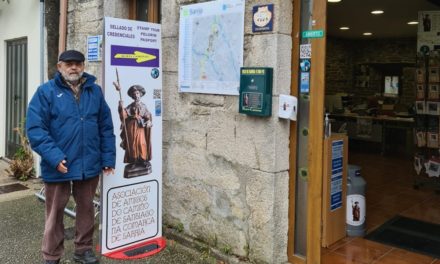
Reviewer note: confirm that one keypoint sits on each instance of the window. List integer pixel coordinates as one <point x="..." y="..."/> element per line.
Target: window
<point x="391" y="86"/>
<point x="145" y="10"/>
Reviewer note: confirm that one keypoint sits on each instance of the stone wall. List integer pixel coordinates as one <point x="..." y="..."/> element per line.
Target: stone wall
<point x="344" y="55"/>
<point x="225" y="174"/>
<point x="85" y="18"/>
<point x="339" y="66"/>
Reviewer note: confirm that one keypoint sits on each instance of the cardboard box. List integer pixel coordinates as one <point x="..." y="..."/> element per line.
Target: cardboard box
<point x="420" y="75"/>
<point x="434" y="74"/>
<point x="433" y="91"/>
<point x="432" y="141"/>
<point x="420" y="94"/>
<point x="420" y="107"/>
<point x="432" y="108"/>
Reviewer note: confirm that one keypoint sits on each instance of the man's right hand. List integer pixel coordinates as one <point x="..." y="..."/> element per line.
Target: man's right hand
<point x="62" y="167"/>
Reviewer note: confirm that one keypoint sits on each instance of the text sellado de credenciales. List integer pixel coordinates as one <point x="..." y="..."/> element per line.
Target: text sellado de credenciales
<point x="147" y="34"/>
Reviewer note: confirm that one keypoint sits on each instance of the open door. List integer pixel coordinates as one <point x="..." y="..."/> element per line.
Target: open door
<point x="307" y="135"/>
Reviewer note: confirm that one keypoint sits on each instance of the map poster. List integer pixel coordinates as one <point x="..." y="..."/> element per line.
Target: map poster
<point x="211" y="47"/>
<point x="131" y="211"/>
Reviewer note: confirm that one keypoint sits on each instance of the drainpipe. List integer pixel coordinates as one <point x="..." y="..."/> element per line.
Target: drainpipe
<point x="41" y="41"/>
<point x="63" y="26"/>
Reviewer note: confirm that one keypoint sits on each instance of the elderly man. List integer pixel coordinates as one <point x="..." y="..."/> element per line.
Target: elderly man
<point x="69" y="125"/>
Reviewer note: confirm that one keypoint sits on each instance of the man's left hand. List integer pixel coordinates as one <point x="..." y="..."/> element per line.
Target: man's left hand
<point x="108" y="170"/>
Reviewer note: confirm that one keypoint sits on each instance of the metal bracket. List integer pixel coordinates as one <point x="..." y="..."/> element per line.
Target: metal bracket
<point x="69" y="211"/>
<point x="304" y="174"/>
<point x="305" y="131"/>
<point x="306" y="97"/>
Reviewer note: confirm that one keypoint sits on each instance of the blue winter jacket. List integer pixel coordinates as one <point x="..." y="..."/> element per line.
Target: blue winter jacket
<point x="81" y="132"/>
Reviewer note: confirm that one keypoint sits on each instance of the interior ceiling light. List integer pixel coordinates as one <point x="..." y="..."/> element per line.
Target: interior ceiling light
<point x="334" y="1"/>
<point x="344" y="28"/>
<point x="377" y="12"/>
<point x="413" y="23"/>
<point x="367" y="34"/>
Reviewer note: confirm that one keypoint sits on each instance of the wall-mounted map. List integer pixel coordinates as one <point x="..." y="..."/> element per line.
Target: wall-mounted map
<point x="211" y="47"/>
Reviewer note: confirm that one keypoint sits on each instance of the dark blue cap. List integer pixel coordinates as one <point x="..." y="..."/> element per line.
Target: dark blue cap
<point x="71" y="55"/>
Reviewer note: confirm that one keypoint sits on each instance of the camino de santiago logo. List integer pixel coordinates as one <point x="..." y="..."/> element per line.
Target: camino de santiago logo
<point x="262" y="18"/>
<point x="134" y="56"/>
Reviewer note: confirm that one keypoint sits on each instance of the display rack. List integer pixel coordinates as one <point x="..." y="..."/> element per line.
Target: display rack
<point x="427" y="128"/>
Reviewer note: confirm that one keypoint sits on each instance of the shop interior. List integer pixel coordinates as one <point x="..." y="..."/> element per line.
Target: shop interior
<point x="378" y="69"/>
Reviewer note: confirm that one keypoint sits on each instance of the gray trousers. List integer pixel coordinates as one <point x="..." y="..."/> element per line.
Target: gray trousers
<point x="57" y="196"/>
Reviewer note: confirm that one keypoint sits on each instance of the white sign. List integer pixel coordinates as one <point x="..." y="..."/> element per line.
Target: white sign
<point x="356" y="215"/>
<point x="133" y="213"/>
<point x="336" y="198"/>
<point x="429" y="30"/>
<point x="287" y="107"/>
<point x="211" y="47"/>
<point x="94" y="48"/>
<point x="131" y="198"/>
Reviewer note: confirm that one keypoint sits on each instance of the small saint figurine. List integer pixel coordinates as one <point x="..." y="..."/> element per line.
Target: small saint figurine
<point x="136" y="123"/>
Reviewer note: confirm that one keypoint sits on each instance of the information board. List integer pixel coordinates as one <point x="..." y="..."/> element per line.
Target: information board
<point x="256" y="91"/>
<point x="428" y="31"/>
<point x="336" y="175"/>
<point x="131" y="198"/>
<point x="94" y="48"/>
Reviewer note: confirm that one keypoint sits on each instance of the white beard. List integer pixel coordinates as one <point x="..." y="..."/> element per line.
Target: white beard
<point x="72" y="77"/>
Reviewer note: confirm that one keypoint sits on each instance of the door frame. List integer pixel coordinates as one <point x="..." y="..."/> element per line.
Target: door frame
<point x="315" y="137"/>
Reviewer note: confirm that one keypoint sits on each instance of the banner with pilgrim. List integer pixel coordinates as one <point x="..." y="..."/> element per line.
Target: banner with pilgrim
<point x="131" y="198"/>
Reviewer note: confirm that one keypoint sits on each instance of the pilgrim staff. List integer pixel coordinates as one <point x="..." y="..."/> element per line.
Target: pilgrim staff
<point x="118" y="88"/>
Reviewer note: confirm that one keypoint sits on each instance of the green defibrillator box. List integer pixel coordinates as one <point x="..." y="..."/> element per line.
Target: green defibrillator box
<point x="256" y="91"/>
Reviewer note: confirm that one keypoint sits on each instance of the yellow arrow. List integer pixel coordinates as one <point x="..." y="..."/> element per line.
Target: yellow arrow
<point x="137" y="55"/>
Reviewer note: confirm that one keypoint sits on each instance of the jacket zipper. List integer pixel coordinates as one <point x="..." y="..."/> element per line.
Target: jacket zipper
<point x="82" y="132"/>
<point x="78" y="107"/>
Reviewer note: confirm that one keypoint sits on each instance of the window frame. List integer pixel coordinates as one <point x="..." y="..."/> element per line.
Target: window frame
<point x="153" y="14"/>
